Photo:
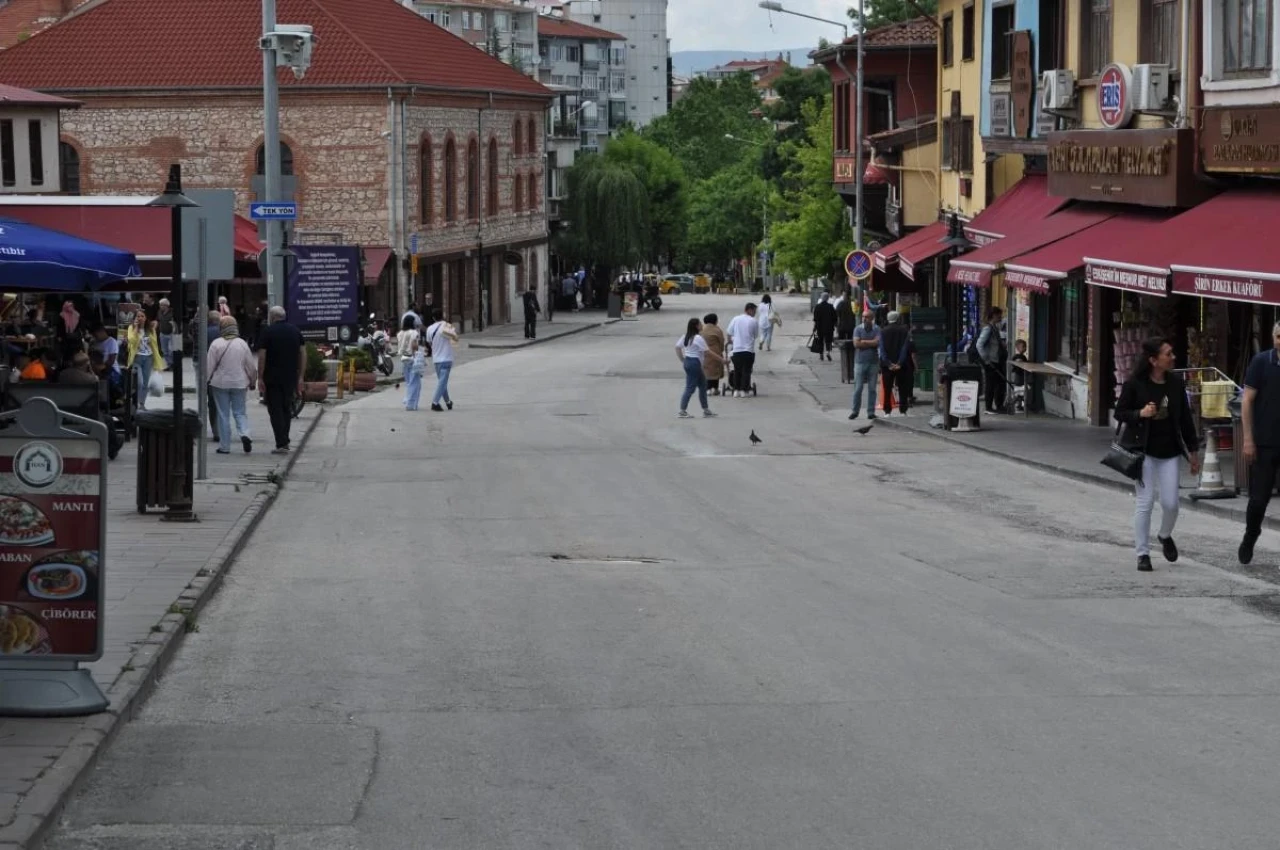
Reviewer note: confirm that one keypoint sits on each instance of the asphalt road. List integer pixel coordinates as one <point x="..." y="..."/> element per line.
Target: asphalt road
<point x="558" y="617"/>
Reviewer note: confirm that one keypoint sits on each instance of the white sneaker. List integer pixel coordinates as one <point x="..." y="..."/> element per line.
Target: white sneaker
<point x="739" y="394"/>
<point x="708" y="414"/>
<point x="683" y="414"/>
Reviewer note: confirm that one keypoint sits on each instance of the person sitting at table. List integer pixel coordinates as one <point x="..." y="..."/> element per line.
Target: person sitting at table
<point x="115" y="383"/>
<point x="109" y="347"/>
<point x="32" y="366"/>
<point x="79" y="372"/>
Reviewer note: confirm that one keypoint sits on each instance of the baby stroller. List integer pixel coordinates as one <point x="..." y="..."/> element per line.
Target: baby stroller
<point x="732" y="376"/>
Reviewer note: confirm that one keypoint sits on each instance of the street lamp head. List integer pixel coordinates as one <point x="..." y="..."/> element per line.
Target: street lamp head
<point x="587" y="103"/>
<point x="771" y="5"/>
<point x="172" y="196"/>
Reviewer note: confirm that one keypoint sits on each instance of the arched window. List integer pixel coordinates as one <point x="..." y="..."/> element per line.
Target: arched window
<point x="473" y="180"/>
<point x="492" y="201"/>
<point x="450" y="181"/>
<point x="286" y="159"/>
<point x="532" y="135"/>
<point x="517" y="138"/>
<point x="69" y="165"/>
<point x="519" y="193"/>
<point x="425" y="182"/>
<point x="532" y="194"/>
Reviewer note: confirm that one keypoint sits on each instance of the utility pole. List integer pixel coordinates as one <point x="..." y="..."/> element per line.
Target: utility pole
<point x="857" y="142"/>
<point x="764" y="241"/>
<point x="271" y="151"/>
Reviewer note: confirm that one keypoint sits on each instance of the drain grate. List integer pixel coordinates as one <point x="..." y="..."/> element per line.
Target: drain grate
<point x="606" y="559"/>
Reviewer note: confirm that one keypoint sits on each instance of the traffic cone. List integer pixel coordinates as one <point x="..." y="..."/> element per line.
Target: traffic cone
<point x="1211" y="486"/>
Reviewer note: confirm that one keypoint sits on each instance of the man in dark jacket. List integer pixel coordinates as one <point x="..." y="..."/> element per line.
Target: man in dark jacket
<point x="824" y="325"/>
<point x="896" y="365"/>
<point x="531" y="310"/>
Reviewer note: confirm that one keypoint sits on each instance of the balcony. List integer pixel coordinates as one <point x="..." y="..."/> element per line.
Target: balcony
<point x="590" y="64"/>
<point x="564" y="130"/>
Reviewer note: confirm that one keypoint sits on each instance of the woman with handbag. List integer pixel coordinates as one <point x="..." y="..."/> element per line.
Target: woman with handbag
<point x="1157" y="426"/>
<point x="233" y="371"/>
<point x="144" y="353"/>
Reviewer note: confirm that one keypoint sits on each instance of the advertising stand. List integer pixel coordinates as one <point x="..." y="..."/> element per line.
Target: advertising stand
<point x="53" y="486"/>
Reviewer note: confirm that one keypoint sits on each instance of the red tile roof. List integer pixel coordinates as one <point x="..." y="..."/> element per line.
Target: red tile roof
<point x="20" y="19"/>
<point x="564" y="28"/>
<point x="14" y="96"/>
<point x="374" y="43"/>
<point x="915" y="31"/>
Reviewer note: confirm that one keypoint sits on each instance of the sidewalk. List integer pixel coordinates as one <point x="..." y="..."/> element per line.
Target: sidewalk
<point x="158" y="577"/>
<point x="511" y="335"/>
<point x="1060" y="446"/>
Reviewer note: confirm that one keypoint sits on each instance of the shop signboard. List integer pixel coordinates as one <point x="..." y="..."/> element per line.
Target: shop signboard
<point x="845" y="169"/>
<point x="968" y="275"/>
<point x="1023" y="85"/>
<point x="1000" y="106"/>
<point x="1241" y="139"/>
<point x="324" y="292"/>
<point x="1022" y="320"/>
<point x="630" y="306"/>
<point x="52" y="540"/>
<point x="964" y="399"/>
<point x="1229" y="286"/>
<point x="1134" y="280"/>
<point x="1154" y="168"/>
<point x="1115" y="96"/>
<point x="1026" y="281"/>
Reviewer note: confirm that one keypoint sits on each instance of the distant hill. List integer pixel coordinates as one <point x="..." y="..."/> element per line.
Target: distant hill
<point x="686" y="62"/>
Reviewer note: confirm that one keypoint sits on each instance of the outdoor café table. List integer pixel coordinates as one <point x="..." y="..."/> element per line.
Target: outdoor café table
<point x="1033" y="369"/>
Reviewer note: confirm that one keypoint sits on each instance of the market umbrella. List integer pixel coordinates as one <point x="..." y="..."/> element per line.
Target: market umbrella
<point x="41" y="260"/>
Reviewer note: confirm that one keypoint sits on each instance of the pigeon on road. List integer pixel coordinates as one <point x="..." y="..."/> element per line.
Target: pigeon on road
<point x="754" y="439"/>
<point x="863" y="430"/>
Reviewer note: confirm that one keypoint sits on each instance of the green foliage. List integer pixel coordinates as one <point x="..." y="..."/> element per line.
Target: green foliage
<point x="695" y="128"/>
<point x="608" y="211"/>
<point x="315" y="369"/>
<point x="797" y="87"/>
<point x="813" y="238"/>
<point x="359" y="358"/>
<point x="664" y="183"/>
<point x="724" y="217"/>
<point x="881" y="12"/>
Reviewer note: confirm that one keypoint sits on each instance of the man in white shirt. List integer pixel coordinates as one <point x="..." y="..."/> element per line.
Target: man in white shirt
<point x="742" y="333"/>
<point x="441" y="336"/>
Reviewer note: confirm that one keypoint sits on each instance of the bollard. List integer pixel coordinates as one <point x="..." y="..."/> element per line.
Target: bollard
<point x="340" y="378"/>
<point x="1211" y="486"/>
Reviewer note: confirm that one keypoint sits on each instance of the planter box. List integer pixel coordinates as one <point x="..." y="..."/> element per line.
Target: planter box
<point x="315" y="391"/>
<point x="365" y="381"/>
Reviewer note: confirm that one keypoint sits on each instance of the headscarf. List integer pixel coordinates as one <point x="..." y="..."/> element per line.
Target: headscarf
<point x="229" y="328"/>
<point x="223" y="309"/>
<point x="70" y="316"/>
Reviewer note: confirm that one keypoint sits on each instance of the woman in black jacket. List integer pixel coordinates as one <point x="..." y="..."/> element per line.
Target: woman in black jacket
<point x="1157" y="421"/>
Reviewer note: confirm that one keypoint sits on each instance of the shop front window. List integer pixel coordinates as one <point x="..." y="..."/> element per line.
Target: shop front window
<point x="1070" y="310"/>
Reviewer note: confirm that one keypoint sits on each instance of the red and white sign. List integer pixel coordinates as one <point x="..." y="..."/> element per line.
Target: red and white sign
<point x="1026" y="280"/>
<point x="1229" y="286"/>
<point x="1144" y="282"/>
<point x="964" y="398"/>
<point x="968" y="275"/>
<point x="1115" y="96"/>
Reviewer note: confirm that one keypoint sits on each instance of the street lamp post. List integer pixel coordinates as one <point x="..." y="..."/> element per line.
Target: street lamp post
<point x="271" y="155"/>
<point x="774" y="6"/>
<point x="764" y="217"/>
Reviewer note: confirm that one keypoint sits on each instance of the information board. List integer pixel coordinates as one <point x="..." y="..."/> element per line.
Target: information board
<point x="324" y="292"/>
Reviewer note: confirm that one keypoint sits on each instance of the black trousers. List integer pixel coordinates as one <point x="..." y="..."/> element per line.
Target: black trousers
<point x="902" y="379"/>
<point x="280" y="409"/>
<point x="743" y="363"/>
<point x="996" y="386"/>
<point x="825" y="338"/>
<point x="530" y="325"/>
<point x="1262" y="483"/>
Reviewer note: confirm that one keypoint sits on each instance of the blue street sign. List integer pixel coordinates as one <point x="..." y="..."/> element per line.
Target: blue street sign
<point x="278" y="211"/>
<point x="413" y="244"/>
<point x="857" y="264"/>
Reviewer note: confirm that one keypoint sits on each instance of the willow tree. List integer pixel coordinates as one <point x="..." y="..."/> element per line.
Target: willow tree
<point x="608" y="212"/>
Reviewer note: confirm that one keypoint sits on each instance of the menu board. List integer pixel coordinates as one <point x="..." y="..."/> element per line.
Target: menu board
<point x="51" y="543"/>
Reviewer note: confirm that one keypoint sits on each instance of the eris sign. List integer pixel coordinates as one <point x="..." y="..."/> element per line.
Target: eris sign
<point x="1115" y="96"/>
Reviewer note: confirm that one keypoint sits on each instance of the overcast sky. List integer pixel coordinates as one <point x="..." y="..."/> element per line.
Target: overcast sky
<point x="743" y="25"/>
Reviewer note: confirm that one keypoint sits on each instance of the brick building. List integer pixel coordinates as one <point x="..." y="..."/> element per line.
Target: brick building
<point x="400" y="133"/>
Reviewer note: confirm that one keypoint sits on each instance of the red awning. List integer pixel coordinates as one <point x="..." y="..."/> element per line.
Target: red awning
<point x="142" y="230"/>
<point x="892" y="280"/>
<point x="375" y="259"/>
<point x="1241" y="259"/>
<point x="1035" y="269"/>
<point x="247" y="244"/>
<point x="1026" y="203"/>
<point x="889" y="254"/>
<point x="925" y="249"/>
<point x="976" y="267"/>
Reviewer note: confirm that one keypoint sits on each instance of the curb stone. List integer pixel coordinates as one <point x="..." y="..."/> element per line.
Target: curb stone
<point x="525" y="343"/>
<point x="40" y="807"/>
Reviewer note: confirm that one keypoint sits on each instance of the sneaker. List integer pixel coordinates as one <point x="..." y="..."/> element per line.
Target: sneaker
<point x="854" y="415"/>
<point x="1144" y="564"/>
<point x="739" y="394"/>
<point x="1170" y="548"/>
<point x="247" y="443"/>
<point x="280" y="450"/>
<point x="223" y="451"/>
<point x="683" y="414"/>
<point x="449" y="405"/>
<point x="872" y="416"/>
<point x="437" y="408"/>
<point x="707" y="414"/>
<point x="1245" y="552"/>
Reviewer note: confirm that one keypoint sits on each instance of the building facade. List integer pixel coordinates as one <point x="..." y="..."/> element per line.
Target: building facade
<point x="501" y="28"/>
<point x="643" y="24"/>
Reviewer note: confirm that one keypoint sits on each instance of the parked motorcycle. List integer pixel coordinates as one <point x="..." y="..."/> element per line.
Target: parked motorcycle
<point x="376" y="341"/>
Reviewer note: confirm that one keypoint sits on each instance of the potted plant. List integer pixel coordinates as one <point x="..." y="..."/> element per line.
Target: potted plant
<point x="360" y="360"/>
<point x="315" y="384"/>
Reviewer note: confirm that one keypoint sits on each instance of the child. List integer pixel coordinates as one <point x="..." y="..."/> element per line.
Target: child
<point x="1019" y="377"/>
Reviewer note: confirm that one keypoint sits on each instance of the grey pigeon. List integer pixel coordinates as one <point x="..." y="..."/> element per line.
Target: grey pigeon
<point x="863" y="430"/>
<point x="755" y="439"/>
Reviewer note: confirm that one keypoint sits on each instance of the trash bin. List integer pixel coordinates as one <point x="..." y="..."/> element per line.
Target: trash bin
<point x="157" y="455"/>
<point x="846" y="360"/>
<point x="954" y="373"/>
<point x="615" y="305"/>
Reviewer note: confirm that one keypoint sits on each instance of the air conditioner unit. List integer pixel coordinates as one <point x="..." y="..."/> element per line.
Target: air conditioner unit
<point x="1150" y="87"/>
<point x="1057" y="89"/>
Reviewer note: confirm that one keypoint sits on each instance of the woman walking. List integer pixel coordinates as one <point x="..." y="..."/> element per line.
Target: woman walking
<point x="713" y="367"/>
<point x="768" y="319"/>
<point x="144" y="352"/>
<point x="233" y="371"/>
<point x="412" y="361"/>
<point x="693" y="353"/>
<point x="1157" y="421"/>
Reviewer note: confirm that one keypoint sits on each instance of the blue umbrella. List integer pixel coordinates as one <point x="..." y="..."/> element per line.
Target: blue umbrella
<point x="37" y="259"/>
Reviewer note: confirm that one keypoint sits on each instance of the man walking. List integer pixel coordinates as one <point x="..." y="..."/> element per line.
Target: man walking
<point x="824" y="325"/>
<point x="531" y="310"/>
<point x="742" y="333"/>
<point x="282" y="359"/>
<point x="866" y="362"/>
<point x="896" y="366"/>
<point x="1260" y="415"/>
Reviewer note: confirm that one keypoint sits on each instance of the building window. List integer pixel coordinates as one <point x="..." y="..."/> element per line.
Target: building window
<point x="493" y="178"/>
<point x="69" y="165"/>
<point x="572" y="53"/>
<point x="35" y="150"/>
<point x="518" y="201"/>
<point x="1050" y="49"/>
<point x="531" y="138"/>
<point x="1095" y="37"/>
<point x="946" y="143"/>
<point x="841" y="116"/>
<point x="450" y="181"/>
<point x="1246" y="35"/>
<point x="950" y="127"/>
<point x="966" y="144"/>
<point x="517" y="138"/>
<point x="533" y="192"/>
<point x="8" y="160"/>
<point x="473" y="179"/>
<point x="425" y="182"/>
<point x="1002" y="23"/>
<point x="286" y="160"/>
<point x="966" y="33"/>
<point x="1161" y="30"/>
<point x="1071" y="310"/>
<point x="948" y="41"/>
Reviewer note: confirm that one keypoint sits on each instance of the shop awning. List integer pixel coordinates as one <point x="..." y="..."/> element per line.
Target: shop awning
<point x="247" y="244"/>
<point x="976" y="267"/>
<point x="1034" y="270"/>
<point x="888" y="255"/>
<point x="375" y="259"/>
<point x="891" y="280"/>
<point x="1027" y="203"/>
<point x="141" y="230"/>
<point x="922" y="251"/>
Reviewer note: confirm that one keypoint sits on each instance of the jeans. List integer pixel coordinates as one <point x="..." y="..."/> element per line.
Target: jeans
<point x="412" y="386"/>
<point x="144" y="362"/>
<point x="442" y="382"/>
<point x="864" y="375"/>
<point x="902" y="380"/>
<point x="230" y="403"/>
<point x="766" y="335"/>
<point x="694" y="379"/>
<point x="280" y="409"/>
<point x="743" y="362"/>
<point x="1262" y="483"/>
<point x="530" y="325"/>
<point x="166" y="347"/>
<point x="1158" y="474"/>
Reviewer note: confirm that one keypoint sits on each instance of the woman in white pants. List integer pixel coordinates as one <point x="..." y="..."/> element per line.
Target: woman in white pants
<point x="1157" y="420"/>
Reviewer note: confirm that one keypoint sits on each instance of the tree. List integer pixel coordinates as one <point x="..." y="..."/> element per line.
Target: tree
<point x="795" y="88"/>
<point x="608" y="214"/>
<point x="694" y="129"/>
<point x="724" y="217"/>
<point x="812" y="239"/>
<point x="664" y="183"/>
<point x="881" y="12"/>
